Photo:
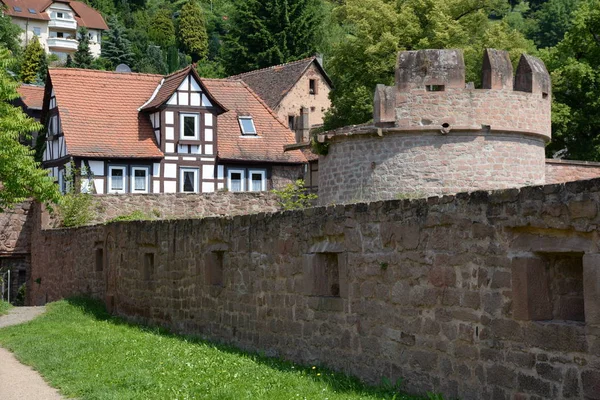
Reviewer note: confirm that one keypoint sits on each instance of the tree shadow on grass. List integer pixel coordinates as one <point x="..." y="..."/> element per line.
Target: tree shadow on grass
<point x="339" y="382"/>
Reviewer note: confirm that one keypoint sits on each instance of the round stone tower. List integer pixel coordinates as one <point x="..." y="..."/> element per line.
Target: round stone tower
<point x="432" y="134"/>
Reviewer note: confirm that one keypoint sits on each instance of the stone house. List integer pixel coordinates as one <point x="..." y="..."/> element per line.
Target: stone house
<point x="55" y="23"/>
<point x="291" y="88"/>
<point x="144" y="133"/>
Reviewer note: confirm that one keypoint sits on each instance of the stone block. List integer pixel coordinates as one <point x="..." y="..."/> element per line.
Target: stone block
<point x="590" y="380"/>
<point x="533" y="385"/>
<point x="531" y="297"/>
<point x="591" y="288"/>
<point x="497" y="70"/>
<point x="501" y="376"/>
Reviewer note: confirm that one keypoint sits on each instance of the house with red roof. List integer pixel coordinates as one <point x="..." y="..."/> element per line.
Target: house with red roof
<point x="145" y="133"/>
<point x="55" y="23"/>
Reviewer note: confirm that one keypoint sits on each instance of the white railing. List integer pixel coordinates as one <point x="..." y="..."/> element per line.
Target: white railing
<point x="62" y="43"/>
<point x="63" y="23"/>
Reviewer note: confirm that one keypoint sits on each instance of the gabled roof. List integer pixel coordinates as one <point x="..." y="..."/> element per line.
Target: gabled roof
<point x="32" y="96"/>
<point x="170" y="84"/>
<point x="84" y="14"/>
<point x="99" y="112"/>
<point x="271" y="136"/>
<point x="272" y="84"/>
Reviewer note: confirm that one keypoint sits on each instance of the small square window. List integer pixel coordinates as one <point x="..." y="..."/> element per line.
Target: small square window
<point x="235" y="180"/>
<point x="116" y="180"/>
<point x="257" y="181"/>
<point x="60" y="15"/>
<point x="139" y="180"/>
<point x="37" y="31"/>
<point x="189" y="180"/>
<point x="247" y="125"/>
<point x="189" y="126"/>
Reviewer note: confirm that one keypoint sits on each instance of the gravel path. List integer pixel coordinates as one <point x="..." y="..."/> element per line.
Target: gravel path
<point x="18" y="381"/>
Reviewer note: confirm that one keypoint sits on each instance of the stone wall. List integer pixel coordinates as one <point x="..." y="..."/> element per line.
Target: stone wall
<point x="372" y="167"/>
<point x="182" y="205"/>
<point x="478" y="296"/>
<point x="15" y="230"/>
<point x="558" y="171"/>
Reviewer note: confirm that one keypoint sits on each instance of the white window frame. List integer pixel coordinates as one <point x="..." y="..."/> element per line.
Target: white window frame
<point x="242" y="178"/>
<point x="62" y="185"/>
<point x="263" y="184"/>
<point x="111" y="168"/>
<point x="196" y="126"/>
<point x="196" y="172"/>
<point x="244" y="133"/>
<point x="132" y="179"/>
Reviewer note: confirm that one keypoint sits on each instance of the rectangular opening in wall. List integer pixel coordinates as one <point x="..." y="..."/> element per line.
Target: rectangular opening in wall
<point x="326" y="275"/>
<point x="99" y="260"/>
<point x="214" y="268"/>
<point x="148" y="266"/>
<point x="435" y="88"/>
<point x="565" y="279"/>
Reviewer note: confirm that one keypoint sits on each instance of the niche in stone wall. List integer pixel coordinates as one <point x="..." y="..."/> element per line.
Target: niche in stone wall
<point x="213" y="271"/>
<point x="548" y="286"/>
<point x="148" y="266"/>
<point x="99" y="254"/>
<point x="325" y="271"/>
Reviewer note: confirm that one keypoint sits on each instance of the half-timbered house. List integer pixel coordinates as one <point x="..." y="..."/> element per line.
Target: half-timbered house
<point x="144" y="133"/>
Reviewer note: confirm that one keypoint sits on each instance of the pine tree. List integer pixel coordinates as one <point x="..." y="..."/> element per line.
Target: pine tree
<point x="162" y="30"/>
<point x="268" y="32"/>
<point x="33" y="57"/>
<point x="116" y="47"/>
<point x="192" y="30"/>
<point x="20" y="174"/>
<point x="83" y="57"/>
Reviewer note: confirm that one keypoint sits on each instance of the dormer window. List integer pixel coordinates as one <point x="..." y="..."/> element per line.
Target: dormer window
<point x="189" y="126"/>
<point x="247" y="125"/>
<point x="17" y="9"/>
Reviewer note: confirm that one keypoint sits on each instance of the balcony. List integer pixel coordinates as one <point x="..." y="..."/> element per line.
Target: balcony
<point x="63" y="24"/>
<point x="56" y="43"/>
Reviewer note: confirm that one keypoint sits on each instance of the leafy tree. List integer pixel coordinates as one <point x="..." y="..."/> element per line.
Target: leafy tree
<point x="552" y="21"/>
<point x="20" y="175"/>
<point x="192" y="30"/>
<point x="9" y="32"/>
<point x="269" y="32"/>
<point x="83" y="56"/>
<point x="162" y="30"/>
<point x="33" y="58"/>
<point x="377" y="29"/>
<point x="576" y="90"/>
<point x="116" y="48"/>
<point x="153" y="61"/>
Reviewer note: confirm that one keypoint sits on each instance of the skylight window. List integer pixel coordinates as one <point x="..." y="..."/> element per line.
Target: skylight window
<point x="17" y="9"/>
<point x="31" y="11"/>
<point x="247" y="125"/>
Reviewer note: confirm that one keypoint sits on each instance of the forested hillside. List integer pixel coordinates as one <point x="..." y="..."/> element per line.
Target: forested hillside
<point x="359" y="40"/>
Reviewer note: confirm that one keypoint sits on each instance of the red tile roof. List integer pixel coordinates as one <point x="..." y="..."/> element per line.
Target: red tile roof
<point x="99" y="112"/>
<point x="32" y="96"/>
<point x="84" y="14"/>
<point x="272" y="84"/>
<point x="100" y="117"/>
<point x="271" y="136"/>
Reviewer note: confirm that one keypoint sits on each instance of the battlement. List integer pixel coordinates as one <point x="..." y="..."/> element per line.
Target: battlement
<point x="431" y="90"/>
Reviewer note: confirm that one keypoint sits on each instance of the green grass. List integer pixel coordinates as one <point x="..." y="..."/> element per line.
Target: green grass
<point x="87" y="354"/>
<point x="4" y="307"/>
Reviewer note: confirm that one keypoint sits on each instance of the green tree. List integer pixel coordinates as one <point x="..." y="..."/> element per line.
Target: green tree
<point x="377" y="29"/>
<point x="116" y="48"/>
<point x="552" y="21"/>
<point x="83" y="56"/>
<point x="33" y="59"/>
<point x="192" y="30"/>
<point x="269" y="32"/>
<point x="576" y="87"/>
<point x="20" y="175"/>
<point x="9" y="32"/>
<point x="162" y="30"/>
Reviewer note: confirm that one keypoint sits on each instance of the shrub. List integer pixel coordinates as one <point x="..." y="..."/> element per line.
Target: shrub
<point x="295" y="196"/>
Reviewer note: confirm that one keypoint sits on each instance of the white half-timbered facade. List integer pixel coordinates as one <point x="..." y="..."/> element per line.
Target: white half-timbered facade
<point x="141" y="133"/>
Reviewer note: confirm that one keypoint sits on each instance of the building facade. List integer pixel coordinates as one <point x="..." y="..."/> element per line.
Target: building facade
<point x="143" y="133"/>
<point x="55" y="24"/>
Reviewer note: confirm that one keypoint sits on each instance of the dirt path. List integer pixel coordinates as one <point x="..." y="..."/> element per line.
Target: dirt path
<point x="18" y="381"/>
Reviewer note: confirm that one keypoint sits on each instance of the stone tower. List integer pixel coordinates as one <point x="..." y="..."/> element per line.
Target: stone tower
<point x="433" y="134"/>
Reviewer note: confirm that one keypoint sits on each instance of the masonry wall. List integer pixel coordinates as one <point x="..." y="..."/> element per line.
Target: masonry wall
<point x="478" y="296"/>
<point x="368" y="167"/>
<point x="182" y="205"/>
<point x="558" y="171"/>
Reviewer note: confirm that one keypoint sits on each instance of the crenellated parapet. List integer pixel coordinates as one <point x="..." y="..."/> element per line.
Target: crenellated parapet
<point x="431" y="91"/>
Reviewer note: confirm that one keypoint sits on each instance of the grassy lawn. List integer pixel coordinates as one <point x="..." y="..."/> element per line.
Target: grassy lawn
<point x="4" y="307"/>
<point x="87" y="354"/>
